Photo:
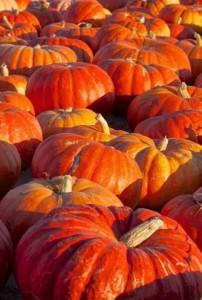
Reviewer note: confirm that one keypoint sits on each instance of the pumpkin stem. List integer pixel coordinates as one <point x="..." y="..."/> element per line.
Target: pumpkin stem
<point x="66" y="185"/>
<point x="163" y="144"/>
<point x="179" y="21"/>
<point x="103" y="123"/>
<point x="4" y="71"/>
<point x="8" y="24"/>
<point x="68" y="109"/>
<point x="130" y="59"/>
<point x="152" y="35"/>
<point x="85" y="24"/>
<point x="182" y="89"/>
<point x="142" y="232"/>
<point x="198" y="38"/>
<point x="198" y="198"/>
<point x="141" y="19"/>
<point x="38" y="46"/>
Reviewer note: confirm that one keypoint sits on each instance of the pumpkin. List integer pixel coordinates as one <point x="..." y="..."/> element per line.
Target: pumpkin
<point x="60" y="5"/>
<point x="10" y="166"/>
<point x="24" y="31"/>
<point x="102" y="253"/>
<point x="8" y="39"/>
<point x="99" y="132"/>
<point x="81" y="49"/>
<point x="16" y="16"/>
<point x="170" y="167"/>
<point x="18" y="100"/>
<point x="148" y="51"/>
<point x="186" y="210"/>
<point x="191" y="15"/>
<point x="193" y="49"/>
<point x="83" y="31"/>
<point x="186" y="124"/>
<point x="7" y="253"/>
<point x="44" y="13"/>
<point x="132" y="78"/>
<point x="51" y="28"/>
<point x="26" y="204"/>
<point x="22" y="129"/>
<point x="76" y="84"/>
<point x="11" y="82"/>
<point x="24" y="60"/>
<point x="163" y="99"/>
<point x="85" y="11"/>
<point x="181" y="31"/>
<point x="78" y="156"/>
<point x="54" y="121"/>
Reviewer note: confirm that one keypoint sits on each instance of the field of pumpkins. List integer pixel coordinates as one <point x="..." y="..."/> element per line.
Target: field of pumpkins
<point x="100" y="149"/>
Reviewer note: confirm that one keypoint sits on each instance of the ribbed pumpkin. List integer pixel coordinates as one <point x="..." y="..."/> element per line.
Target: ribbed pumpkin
<point x="82" y="50"/>
<point x="191" y="15"/>
<point x="18" y="100"/>
<point x="10" y="166"/>
<point x="24" y="60"/>
<point x="6" y="254"/>
<point x="76" y="84"/>
<point x="148" y="51"/>
<point x="63" y="153"/>
<point x="51" y="28"/>
<point x="186" y="124"/>
<point x="132" y="78"/>
<point x="94" y="252"/>
<point x="163" y="99"/>
<point x="170" y="167"/>
<point x="186" y="210"/>
<point x="57" y="120"/>
<point x="22" y="129"/>
<point x="26" y="204"/>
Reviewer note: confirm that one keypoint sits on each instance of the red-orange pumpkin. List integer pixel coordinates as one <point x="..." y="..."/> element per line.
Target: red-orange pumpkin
<point x="94" y="252"/>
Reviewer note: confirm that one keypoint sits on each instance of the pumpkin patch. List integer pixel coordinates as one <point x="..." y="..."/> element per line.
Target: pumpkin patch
<point x="100" y="149"/>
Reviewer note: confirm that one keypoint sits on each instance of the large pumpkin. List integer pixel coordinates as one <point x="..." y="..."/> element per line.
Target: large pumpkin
<point x="94" y="252"/>
<point x="26" y="204"/>
<point x="186" y="210"/>
<point x="170" y="167"/>
<point x="148" y="51"/>
<point x="79" y="84"/>
<point x="163" y="99"/>
<point x="24" y="60"/>
<point x="66" y="153"/>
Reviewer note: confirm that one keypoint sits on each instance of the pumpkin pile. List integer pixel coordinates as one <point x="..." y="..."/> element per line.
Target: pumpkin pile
<point x="101" y="149"/>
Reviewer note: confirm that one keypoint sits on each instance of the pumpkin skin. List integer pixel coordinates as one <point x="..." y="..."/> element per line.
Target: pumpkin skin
<point x="26" y="204"/>
<point x="25" y="60"/>
<point x="6" y="254"/>
<point x="84" y="242"/>
<point x="18" y="100"/>
<point x="82" y="50"/>
<point x="22" y="4"/>
<point x="78" y="156"/>
<point x="10" y="166"/>
<point x="131" y="78"/>
<point x="51" y="28"/>
<point x="79" y="84"/>
<point x="22" y="129"/>
<point x="198" y="80"/>
<point x="186" y="124"/>
<point x="163" y="99"/>
<point x="186" y="210"/>
<point x="12" y="40"/>
<point x="148" y="51"/>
